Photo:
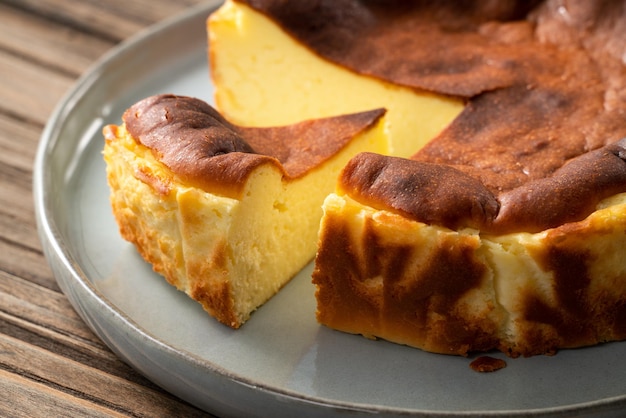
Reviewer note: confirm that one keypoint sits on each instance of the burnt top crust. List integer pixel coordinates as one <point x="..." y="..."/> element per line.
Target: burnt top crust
<point x="441" y="194"/>
<point x="201" y="147"/>
<point x="544" y="83"/>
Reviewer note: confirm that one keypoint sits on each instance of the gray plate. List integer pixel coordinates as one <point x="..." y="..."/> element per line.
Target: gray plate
<point x="281" y="362"/>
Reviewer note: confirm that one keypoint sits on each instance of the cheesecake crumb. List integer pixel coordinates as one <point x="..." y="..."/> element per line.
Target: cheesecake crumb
<point x="484" y="364"/>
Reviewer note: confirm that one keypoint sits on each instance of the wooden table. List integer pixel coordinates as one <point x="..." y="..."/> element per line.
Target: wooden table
<point x="51" y="364"/>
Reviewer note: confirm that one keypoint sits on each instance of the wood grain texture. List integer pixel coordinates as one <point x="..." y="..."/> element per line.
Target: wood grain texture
<point x="51" y="364"/>
<point x="44" y="42"/>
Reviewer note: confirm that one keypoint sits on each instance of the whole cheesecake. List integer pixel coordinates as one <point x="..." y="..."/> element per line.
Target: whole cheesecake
<point x="497" y="219"/>
<point x="227" y="214"/>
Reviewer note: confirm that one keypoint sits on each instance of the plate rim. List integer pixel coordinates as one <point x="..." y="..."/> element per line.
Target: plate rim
<point x="73" y="281"/>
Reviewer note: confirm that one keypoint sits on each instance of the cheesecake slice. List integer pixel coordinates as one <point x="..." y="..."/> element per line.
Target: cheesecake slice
<point x="227" y="214"/>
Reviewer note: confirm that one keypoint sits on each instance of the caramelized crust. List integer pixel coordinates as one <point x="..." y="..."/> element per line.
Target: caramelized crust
<point x="544" y="83"/>
<point x="443" y="195"/>
<point x="432" y="193"/>
<point x="202" y="148"/>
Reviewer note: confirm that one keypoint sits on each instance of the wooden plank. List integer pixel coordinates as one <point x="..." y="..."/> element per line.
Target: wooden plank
<point x="84" y="16"/>
<point x="21" y="397"/>
<point x="26" y="263"/>
<point x="54" y="46"/>
<point x="45" y="318"/>
<point x="19" y="243"/>
<point x="112" y="20"/>
<point x="46" y="312"/>
<point x="27" y="92"/>
<point x="94" y="356"/>
<point x="82" y="382"/>
<point x="31" y="93"/>
<point x="17" y="218"/>
<point x="16" y="199"/>
<point x="18" y="142"/>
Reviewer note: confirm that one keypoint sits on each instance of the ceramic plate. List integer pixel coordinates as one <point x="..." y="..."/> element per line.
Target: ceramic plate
<point x="280" y="363"/>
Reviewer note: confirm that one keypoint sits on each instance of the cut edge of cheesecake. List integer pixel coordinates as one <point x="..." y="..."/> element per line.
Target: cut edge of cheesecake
<point x="229" y="253"/>
<point x="521" y="293"/>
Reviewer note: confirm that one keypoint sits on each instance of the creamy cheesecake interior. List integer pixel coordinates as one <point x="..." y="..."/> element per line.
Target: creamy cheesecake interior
<point x="246" y="49"/>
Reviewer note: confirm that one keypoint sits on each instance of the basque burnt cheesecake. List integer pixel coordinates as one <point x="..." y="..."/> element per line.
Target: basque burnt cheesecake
<point x="227" y="214"/>
<point x="504" y="227"/>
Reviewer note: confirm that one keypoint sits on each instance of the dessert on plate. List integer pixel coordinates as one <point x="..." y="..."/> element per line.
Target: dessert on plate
<point x="227" y="214"/>
<point x="497" y="218"/>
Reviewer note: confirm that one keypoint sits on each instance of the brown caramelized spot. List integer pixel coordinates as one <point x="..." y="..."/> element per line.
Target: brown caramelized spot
<point x="193" y="140"/>
<point x="571" y="320"/>
<point x="341" y="256"/>
<point x="161" y="186"/>
<point x="485" y="364"/>
<point x="379" y="289"/>
<point x="173" y="125"/>
<point x="445" y="276"/>
<point x="430" y="193"/>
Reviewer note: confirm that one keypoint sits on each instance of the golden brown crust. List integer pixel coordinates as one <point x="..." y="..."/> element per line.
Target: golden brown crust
<point x="194" y="141"/>
<point x="302" y="146"/>
<point x="544" y="83"/>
